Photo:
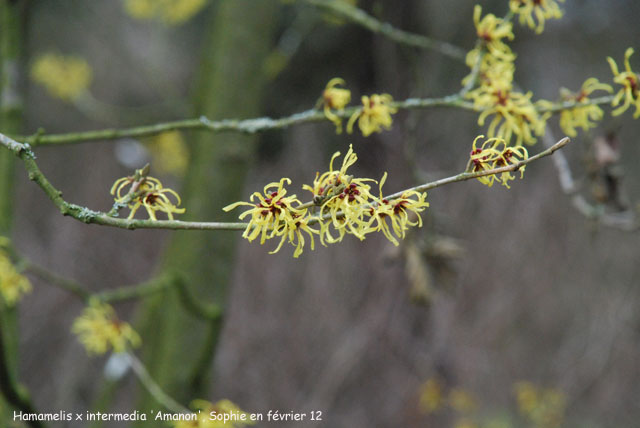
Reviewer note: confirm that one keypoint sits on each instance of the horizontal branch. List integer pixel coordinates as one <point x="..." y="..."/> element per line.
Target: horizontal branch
<point x="353" y="14"/>
<point x="247" y="126"/>
<point x="89" y="216"/>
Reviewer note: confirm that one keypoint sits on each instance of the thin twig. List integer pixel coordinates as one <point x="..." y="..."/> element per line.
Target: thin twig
<point x="152" y="387"/>
<point x="357" y="16"/>
<point x="471" y="175"/>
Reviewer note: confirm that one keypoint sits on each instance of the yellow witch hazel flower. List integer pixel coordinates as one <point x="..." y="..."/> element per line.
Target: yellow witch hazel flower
<point x="342" y="197"/>
<point x="492" y="30"/>
<point x="335" y="98"/>
<point x="493" y="71"/>
<point x="169" y="12"/>
<point x="402" y="212"/>
<point x="64" y="77"/>
<point x="374" y="116"/>
<point x="514" y="114"/>
<point x="222" y="414"/>
<point x="274" y="214"/>
<point x="99" y="330"/>
<point x="141" y="190"/>
<point x="629" y="94"/>
<point x="494" y="153"/>
<point x="581" y="116"/>
<point x="530" y="11"/>
<point x="13" y="285"/>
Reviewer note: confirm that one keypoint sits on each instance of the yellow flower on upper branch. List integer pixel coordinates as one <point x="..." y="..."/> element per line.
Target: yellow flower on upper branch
<point x="581" y="116"/>
<point x="492" y="30"/>
<point x="335" y="98"/>
<point x="204" y="410"/>
<point x="374" y="116"/>
<point x="99" y="330"/>
<point x="64" y="77"/>
<point x="493" y="71"/>
<point x="495" y="153"/>
<point x="274" y="214"/>
<point x="169" y="12"/>
<point x="530" y="11"/>
<point x="12" y="284"/>
<point x="141" y="190"/>
<point x="514" y="114"/>
<point x="630" y="91"/>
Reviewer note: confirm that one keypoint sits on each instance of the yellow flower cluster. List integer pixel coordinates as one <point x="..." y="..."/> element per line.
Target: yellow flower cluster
<point x="12" y="284"/>
<point x="143" y="191"/>
<point x="204" y="409"/>
<point x="342" y="205"/>
<point x="495" y="153"/>
<point x="169" y="153"/>
<point x="64" y="77"/>
<point x="273" y="214"/>
<point x="530" y="11"/>
<point x="434" y="396"/>
<point x="373" y="116"/>
<point x="169" y="12"/>
<point x="512" y="113"/>
<point x="580" y="116"/>
<point x="99" y="330"/>
<point x="543" y="407"/>
<point x="629" y="94"/>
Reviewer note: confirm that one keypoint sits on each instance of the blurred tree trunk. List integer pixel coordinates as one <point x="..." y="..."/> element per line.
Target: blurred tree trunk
<point x="11" y="27"/>
<point x="179" y="348"/>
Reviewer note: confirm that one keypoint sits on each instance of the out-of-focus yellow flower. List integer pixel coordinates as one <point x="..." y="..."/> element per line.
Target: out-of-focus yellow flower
<point x="492" y="30"/>
<point x="461" y="401"/>
<point x="204" y="410"/>
<point x="629" y="94"/>
<point x="335" y="98"/>
<point x="543" y="407"/>
<point x="432" y="396"/>
<point x="274" y="214"/>
<point x="465" y="423"/>
<point x="169" y="152"/>
<point x="64" y="77"/>
<point x="580" y="116"/>
<point x="99" y="330"/>
<point x="146" y="192"/>
<point x="169" y="12"/>
<point x="530" y="11"/>
<point x="13" y="285"/>
<point x="374" y="116"/>
<point x="495" y="153"/>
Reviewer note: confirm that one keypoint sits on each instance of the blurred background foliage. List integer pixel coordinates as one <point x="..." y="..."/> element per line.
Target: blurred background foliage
<point x="507" y="309"/>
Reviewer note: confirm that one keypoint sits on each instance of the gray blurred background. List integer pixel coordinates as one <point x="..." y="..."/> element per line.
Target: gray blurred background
<point x="510" y="285"/>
